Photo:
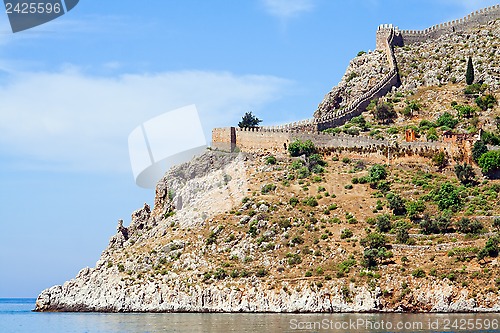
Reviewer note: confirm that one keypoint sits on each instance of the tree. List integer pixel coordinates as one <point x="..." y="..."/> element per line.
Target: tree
<point x="378" y="172"/>
<point x="478" y="150"/>
<point x="397" y="204"/>
<point x="440" y="160"/>
<point x="465" y="173"/>
<point x="448" y="197"/>
<point x="383" y="223"/>
<point x="384" y="112"/>
<point x="298" y="148"/>
<point x="468" y="226"/>
<point x="490" y="161"/>
<point x="486" y="102"/>
<point x="375" y="249"/>
<point x="249" y="120"/>
<point x="469" y="75"/>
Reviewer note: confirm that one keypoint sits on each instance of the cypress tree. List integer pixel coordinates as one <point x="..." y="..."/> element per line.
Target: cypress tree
<point x="469" y="75"/>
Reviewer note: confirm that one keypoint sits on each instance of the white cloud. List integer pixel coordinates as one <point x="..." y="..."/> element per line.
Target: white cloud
<point x="285" y="9"/>
<point x="79" y="122"/>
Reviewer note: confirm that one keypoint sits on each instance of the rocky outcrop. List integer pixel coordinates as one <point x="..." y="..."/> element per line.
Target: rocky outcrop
<point x="444" y="60"/>
<point x="362" y="74"/>
<point x="158" y="262"/>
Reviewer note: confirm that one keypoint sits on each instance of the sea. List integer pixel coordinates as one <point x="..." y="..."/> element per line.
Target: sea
<point x="16" y="315"/>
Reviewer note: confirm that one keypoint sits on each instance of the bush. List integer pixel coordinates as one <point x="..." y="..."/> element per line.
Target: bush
<point x="345" y="233"/>
<point x="293" y="259"/>
<point x="261" y="272"/>
<point x="474" y="89"/>
<point x="303" y="173"/>
<point x="440" y="225"/>
<point x="401" y="229"/>
<point x="383" y="223"/>
<point x="377" y="172"/>
<point x="447" y="120"/>
<point x="465" y="173"/>
<point x="397" y="204"/>
<point x="360" y="53"/>
<point x="418" y="273"/>
<point x="267" y="188"/>
<point x="490" y="138"/>
<point x="496" y="223"/>
<point x="467" y="226"/>
<point x="490" y="161"/>
<point x="270" y="160"/>
<point x="478" y="150"/>
<point x="465" y="111"/>
<point x="486" y="102"/>
<point x="440" y="159"/>
<point x="298" y="148"/>
<point x="448" y="197"/>
<point x="414" y="208"/>
<point x="293" y="201"/>
<point x="311" y="201"/>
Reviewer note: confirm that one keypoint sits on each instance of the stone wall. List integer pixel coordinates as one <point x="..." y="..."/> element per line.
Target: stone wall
<point x="259" y="140"/>
<point x="482" y="16"/>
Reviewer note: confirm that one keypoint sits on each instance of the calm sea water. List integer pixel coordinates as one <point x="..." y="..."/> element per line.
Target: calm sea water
<point x="16" y="316"/>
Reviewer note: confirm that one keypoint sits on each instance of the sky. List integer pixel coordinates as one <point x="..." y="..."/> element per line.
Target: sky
<point x="73" y="89"/>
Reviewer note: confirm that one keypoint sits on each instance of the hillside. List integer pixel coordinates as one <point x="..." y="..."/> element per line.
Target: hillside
<point x="343" y="230"/>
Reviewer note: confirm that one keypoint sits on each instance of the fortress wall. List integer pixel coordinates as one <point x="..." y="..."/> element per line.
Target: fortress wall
<point x="251" y="140"/>
<point x="224" y="138"/>
<point x="482" y="16"/>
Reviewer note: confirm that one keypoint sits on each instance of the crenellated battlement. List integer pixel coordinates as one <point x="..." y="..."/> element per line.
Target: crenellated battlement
<point x="276" y="138"/>
<point x="481" y="16"/>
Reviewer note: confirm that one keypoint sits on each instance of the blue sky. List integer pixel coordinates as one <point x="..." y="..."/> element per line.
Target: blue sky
<point x="73" y="89"/>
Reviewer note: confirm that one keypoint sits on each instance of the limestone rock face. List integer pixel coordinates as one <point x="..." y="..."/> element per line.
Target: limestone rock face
<point x="363" y="73"/>
<point x="444" y="60"/>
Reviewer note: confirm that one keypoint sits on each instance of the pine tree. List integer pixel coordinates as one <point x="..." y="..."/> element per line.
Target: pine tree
<point x="469" y="75"/>
<point x="249" y="120"/>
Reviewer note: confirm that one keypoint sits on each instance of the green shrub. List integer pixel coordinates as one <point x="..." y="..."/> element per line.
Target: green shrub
<point x="486" y="102"/>
<point x="414" y="208"/>
<point x="348" y="187"/>
<point x="303" y="173"/>
<point x="467" y="226"/>
<point x="220" y="274"/>
<point x="298" y="148"/>
<point x="261" y="272"/>
<point x="293" y="201"/>
<point x="490" y="161"/>
<point x="418" y="273"/>
<point x="308" y="274"/>
<point x="270" y="159"/>
<point x="478" y="150"/>
<point x="440" y="159"/>
<point x="293" y="259"/>
<point x="383" y="223"/>
<point x="397" y="204"/>
<point x="267" y="188"/>
<point x="448" y="197"/>
<point x="297" y="164"/>
<point x="447" y="120"/>
<point x="377" y="172"/>
<point x="401" y="229"/>
<point x="310" y="201"/>
<point x="474" y="89"/>
<point x="345" y="233"/>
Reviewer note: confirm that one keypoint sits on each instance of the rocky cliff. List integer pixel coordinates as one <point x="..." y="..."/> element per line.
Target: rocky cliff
<point x="205" y="247"/>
